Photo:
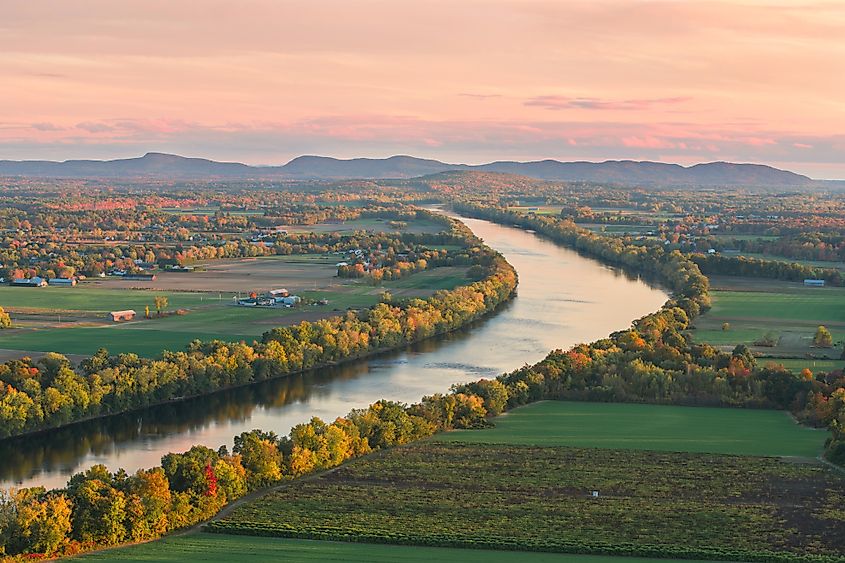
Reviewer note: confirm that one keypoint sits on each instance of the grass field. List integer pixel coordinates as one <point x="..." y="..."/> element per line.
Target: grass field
<point x="649" y="427"/>
<point x="214" y="548"/>
<point x="90" y="299"/>
<point x="797" y="364"/>
<point x="789" y="312"/>
<point x="73" y="320"/>
<point x="812" y="263"/>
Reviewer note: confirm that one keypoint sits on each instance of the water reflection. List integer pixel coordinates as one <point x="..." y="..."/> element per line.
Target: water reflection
<point x="563" y="299"/>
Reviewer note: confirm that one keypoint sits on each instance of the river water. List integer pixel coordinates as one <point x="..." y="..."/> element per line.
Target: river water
<point x="563" y="299"/>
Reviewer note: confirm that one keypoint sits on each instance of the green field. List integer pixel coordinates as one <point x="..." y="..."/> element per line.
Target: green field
<point x="209" y="315"/>
<point x="789" y="312"/>
<point x="797" y="364"/>
<point x="214" y="548"/>
<point x="91" y="299"/>
<point x="649" y="427"/>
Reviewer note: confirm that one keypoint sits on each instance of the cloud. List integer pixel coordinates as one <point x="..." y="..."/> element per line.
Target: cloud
<point x="479" y="96"/>
<point x="562" y="102"/>
<point x="94" y="127"/>
<point x="45" y="126"/>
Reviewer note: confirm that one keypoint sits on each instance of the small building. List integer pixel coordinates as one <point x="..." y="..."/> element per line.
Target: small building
<point x="68" y="282"/>
<point x="276" y="293"/>
<point x="118" y="316"/>
<point x="289" y="301"/>
<point x="814" y="283"/>
<point x="29" y="282"/>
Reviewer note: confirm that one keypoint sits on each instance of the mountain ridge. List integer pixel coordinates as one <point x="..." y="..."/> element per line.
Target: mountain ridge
<point x="314" y="167"/>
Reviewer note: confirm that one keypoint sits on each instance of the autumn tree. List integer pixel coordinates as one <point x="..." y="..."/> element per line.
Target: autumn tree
<point x="823" y="338"/>
<point x="160" y="303"/>
<point x="5" y="319"/>
<point x="42" y="523"/>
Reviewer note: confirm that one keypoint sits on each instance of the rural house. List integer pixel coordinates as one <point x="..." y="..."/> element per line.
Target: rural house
<point x="29" y="282"/>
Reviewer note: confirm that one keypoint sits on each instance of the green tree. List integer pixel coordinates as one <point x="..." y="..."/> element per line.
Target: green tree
<point x="260" y="456"/>
<point x="99" y="509"/>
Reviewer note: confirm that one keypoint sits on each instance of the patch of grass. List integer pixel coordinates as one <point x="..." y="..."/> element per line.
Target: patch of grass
<point x="87" y="340"/>
<point x="649" y="427"/>
<point x="214" y="548"/>
<point x="812" y="263"/>
<point x="814" y="305"/>
<point x="539" y="498"/>
<point x="797" y="364"/>
<point x="91" y="299"/>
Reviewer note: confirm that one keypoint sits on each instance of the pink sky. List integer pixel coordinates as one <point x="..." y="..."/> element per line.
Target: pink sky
<point x="262" y="81"/>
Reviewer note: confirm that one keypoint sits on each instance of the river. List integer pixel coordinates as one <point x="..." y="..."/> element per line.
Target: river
<point x="563" y="299"/>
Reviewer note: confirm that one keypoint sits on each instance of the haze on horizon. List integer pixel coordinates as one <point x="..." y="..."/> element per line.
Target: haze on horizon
<point x="263" y="81"/>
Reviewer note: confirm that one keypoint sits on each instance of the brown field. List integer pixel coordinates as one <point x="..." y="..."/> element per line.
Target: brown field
<point x="242" y="275"/>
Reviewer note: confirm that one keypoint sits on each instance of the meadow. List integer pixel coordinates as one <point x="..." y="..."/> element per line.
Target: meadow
<point x="788" y="313"/>
<point x="214" y="548"/>
<point x="812" y="263"/>
<point x="519" y="486"/>
<point x="74" y="320"/>
<point x="649" y="427"/>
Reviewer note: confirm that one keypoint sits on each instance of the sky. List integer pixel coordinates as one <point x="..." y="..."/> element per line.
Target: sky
<point x="263" y="81"/>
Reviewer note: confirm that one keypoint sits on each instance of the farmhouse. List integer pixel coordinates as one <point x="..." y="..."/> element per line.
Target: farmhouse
<point x="70" y="282"/>
<point x="29" y="282"/>
<point x="118" y="316"/>
<point x="814" y="283"/>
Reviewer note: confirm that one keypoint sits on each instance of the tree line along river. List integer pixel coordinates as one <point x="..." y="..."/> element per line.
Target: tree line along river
<point x="562" y="299"/>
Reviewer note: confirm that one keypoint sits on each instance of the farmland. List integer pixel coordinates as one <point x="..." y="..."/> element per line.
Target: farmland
<point x="539" y="498"/>
<point x="514" y="487"/>
<point x="214" y="548"/>
<point x="74" y="320"/>
<point x="649" y="427"/>
<point x="787" y="313"/>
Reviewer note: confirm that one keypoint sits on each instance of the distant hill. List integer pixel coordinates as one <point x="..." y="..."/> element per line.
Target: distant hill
<point x="158" y="165"/>
<point x="152" y="164"/>
<point x="324" y="167"/>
